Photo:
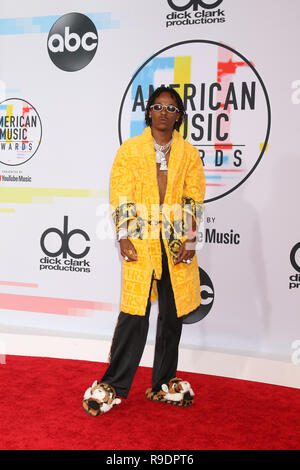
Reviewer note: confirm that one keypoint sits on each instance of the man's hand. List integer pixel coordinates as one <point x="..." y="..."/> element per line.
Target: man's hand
<point x="127" y="250"/>
<point x="185" y="254"/>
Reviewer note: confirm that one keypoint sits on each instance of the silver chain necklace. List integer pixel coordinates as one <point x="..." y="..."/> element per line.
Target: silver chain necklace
<point x="161" y="152"/>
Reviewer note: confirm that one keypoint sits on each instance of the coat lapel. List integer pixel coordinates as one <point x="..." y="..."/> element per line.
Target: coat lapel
<point x="150" y="166"/>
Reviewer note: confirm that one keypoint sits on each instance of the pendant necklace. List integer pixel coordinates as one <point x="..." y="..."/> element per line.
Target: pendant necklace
<point x="161" y="152"/>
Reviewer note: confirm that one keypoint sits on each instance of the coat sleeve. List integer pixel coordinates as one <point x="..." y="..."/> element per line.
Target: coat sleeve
<point x="122" y="189"/>
<point x="194" y="188"/>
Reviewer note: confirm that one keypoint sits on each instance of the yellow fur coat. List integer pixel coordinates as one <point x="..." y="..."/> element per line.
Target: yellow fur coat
<point x="134" y="197"/>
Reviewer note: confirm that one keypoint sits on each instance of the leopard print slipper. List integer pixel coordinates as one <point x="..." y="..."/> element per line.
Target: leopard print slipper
<point x="99" y="399"/>
<point x="177" y="393"/>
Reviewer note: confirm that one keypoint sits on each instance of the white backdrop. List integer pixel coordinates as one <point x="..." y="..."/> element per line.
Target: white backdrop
<point x="85" y="112"/>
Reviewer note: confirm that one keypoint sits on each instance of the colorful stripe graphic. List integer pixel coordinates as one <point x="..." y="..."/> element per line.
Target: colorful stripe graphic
<point x="18" y="284"/>
<point x="13" y="195"/>
<point x="181" y="67"/>
<point x="144" y="80"/>
<point x="9" y="113"/>
<point x="182" y="75"/>
<point x="27" y="303"/>
<point x="261" y="146"/>
<point x="43" y="24"/>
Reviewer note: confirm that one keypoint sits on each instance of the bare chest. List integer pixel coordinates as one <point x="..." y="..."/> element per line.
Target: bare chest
<point x="162" y="180"/>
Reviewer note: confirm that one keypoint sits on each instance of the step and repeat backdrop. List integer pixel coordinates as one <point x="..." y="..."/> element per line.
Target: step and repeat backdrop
<point x="74" y="81"/>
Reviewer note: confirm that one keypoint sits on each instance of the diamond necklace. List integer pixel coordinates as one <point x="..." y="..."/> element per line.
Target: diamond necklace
<point x="161" y="152"/>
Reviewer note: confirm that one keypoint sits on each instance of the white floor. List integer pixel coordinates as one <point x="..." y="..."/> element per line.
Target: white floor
<point x="273" y="370"/>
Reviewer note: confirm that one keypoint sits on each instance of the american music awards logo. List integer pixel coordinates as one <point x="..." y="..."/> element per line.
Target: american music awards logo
<point x="228" y="114"/>
<point x="20" y="131"/>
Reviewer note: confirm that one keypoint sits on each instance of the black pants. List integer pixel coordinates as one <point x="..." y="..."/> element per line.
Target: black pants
<point x="131" y="334"/>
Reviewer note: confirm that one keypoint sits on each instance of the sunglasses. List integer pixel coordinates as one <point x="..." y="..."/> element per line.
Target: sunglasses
<point x="169" y="107"/>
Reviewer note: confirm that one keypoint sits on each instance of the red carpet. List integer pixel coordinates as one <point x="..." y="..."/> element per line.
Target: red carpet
<point x="41" y="409"/>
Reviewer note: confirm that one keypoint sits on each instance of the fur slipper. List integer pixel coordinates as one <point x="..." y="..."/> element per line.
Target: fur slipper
<point x="177" y="393"/>
<point x="99" y="398"/>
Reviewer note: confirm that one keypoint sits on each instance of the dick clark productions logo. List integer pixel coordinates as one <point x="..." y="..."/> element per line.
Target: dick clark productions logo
<point x="72" y="42"/>
<point x="194" y="12"/>
<point x="59" y="255"/>
<point x="178" y="6"/>
<point x="295" y="262"/>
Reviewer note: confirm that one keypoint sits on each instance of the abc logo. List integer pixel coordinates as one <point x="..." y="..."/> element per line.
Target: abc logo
<point x="207" y="296"/>
<point x="180" y="5"/>
<point x="72" y="42"/>
<point x="65" y="240"/>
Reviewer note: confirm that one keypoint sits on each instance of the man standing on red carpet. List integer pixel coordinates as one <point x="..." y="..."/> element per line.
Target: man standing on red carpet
<point x="157" y="192"/>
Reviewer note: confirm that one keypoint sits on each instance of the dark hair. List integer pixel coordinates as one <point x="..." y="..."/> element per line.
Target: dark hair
<point x="175" y="95"/>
